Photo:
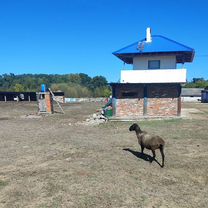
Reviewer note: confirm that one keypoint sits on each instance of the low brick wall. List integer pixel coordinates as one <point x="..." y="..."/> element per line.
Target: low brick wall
<point x="79" y="100"/>
<point x="129" y="107"/>
<point x="162" y="107"/>
<point x="155" y="107"/>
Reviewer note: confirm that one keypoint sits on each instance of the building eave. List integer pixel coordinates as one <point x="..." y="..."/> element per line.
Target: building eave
<point x="181" y="56"/>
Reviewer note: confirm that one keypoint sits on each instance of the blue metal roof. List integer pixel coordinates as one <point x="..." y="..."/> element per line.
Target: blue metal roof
<point x="160" y="45"/>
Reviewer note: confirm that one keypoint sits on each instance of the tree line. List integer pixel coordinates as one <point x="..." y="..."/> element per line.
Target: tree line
<point x="73" y="85"/>
<point x="197" y="83"/>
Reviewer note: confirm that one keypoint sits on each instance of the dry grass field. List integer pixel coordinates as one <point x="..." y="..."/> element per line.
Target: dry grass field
<point x="56" y="161"/>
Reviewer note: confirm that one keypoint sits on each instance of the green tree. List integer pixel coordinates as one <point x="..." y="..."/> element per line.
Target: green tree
<point x="107" y="92"/>
<point x="19" y="88"/>
<point x="74" y="85"/>
<point x="197" y="83"/>
<point x="99" y="81"/>
<point x="85" y="80"/>
<point x="74" y="78"/>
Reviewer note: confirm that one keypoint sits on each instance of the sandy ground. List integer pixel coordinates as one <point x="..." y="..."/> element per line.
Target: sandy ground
<point x="55" y="161"/>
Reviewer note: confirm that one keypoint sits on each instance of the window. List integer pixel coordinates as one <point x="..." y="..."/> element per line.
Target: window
<point x="154" y="64"/>
<point x="129" y="94"/>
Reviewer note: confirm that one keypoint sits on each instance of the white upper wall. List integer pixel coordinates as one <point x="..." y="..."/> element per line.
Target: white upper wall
<point x="166" y="62"/>
<point x="153" y="76"/>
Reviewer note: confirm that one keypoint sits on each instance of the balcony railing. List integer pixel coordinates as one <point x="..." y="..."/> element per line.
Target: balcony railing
<point x="153" y="76"/>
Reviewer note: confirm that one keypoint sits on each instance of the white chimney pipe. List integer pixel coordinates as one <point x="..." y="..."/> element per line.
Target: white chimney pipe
<point x="148" y="35"/>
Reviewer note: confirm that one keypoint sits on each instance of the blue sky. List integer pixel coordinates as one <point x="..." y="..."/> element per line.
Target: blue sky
<point x="74" y="36"/>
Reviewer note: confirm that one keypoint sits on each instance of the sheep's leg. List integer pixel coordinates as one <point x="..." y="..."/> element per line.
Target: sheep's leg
<point x="154" y="155"/>
<point x="163" y="155"/>
<point x="142" y="149"/>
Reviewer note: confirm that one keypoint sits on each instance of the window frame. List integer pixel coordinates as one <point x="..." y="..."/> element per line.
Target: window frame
<point x="154" y="63"/>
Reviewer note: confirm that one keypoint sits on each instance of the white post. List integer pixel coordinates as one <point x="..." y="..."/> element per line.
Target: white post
<point x="5" y="99"/>
<point x="29" y="98"/>
<point x="123" y="65"/>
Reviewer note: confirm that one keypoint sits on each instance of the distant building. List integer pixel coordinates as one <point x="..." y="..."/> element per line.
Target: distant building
<point x="191" y="94"/>
<point x="17" y="96"/>
<point x="153" y="87"/>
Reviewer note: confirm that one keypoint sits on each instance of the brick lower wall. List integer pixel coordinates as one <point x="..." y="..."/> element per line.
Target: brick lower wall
<point x="155" y="107"/>
<point x="129" y="107"/>
<point x="162" y="107"/>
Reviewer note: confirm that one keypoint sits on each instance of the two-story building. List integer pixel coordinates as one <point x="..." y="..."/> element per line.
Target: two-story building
<point x="153" y="87"/>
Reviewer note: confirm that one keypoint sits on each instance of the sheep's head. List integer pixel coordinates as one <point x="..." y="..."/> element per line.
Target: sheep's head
<point x="134" y="127"/>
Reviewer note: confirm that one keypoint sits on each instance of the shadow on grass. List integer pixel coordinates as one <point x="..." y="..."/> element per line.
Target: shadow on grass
<point x="142" y="156"/>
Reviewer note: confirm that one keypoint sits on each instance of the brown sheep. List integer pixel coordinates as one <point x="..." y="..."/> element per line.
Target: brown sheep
<point x="148" y="141"/>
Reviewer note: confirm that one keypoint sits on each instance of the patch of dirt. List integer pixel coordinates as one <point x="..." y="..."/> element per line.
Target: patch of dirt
<point x="31" y="116"/>
<point x="4" y="118"/>
<point x="190" y="112"/>
<point x="194" y="110"/>
<point x="56" y="161"/>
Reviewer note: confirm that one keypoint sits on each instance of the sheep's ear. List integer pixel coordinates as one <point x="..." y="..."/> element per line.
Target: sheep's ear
<point x="138" y="127"/>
